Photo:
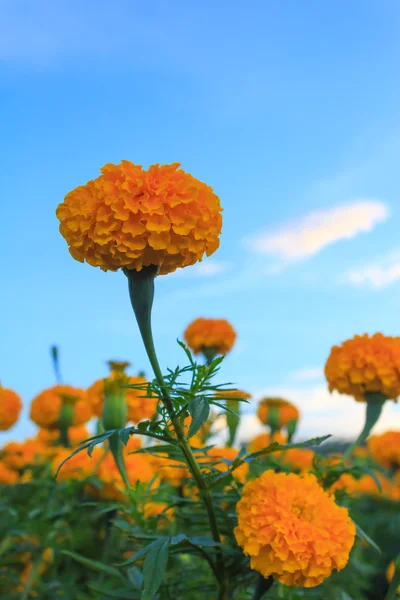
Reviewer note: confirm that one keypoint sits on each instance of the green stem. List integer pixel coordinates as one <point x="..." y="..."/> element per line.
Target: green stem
<point x="262" y="586"/>
<point x="116" y="449"/>
<point x="65" y="419"/>
<point x="375" y="404"/>
<point x="141" y="292"/>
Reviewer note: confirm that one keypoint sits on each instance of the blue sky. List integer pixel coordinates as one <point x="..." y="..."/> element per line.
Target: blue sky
<point x="290" y="111"/>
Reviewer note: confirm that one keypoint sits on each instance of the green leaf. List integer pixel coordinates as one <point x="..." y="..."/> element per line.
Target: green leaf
<point x="275" y="446"/>
<point x="203" y="541"/>
<point x="95" y="565"/>
<point x="99" y="440"/>
<point x="154" y="568"/>
<point x="178" y="539"/>
<point x="199" y="409"/>
<point x="143" y="551"/>
<point x="173" y="452"/>
<point x="135" y="577"/>
<point x="124" y="435"/>
<point x="187" y="352"/>
<point x="362" y="535"/>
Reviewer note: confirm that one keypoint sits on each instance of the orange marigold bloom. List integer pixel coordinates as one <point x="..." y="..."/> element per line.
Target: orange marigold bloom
<point x="45" y="407"/>
<point x="216" y="334"/>
<point x="51" y="437"/>
<point x="161" y="510"/>
<point x="365" y="485"/>
<point x="216" y="457"/>
<point x="132" y="218"/>
<point x="390" y="574"/>
<point x="365" y="364"/>
<point x="78" y="467"/>
<point x="10" y="407"/>
<point x="139" y="467"/>
<point x="292" y="529"/>
<point x="299" y="459"/>
<point x="7" y="475"/>
<point x="385" y="449"/>
<point x="277" y="409"/>
<point x="139" y="405"/>
<point x="261" y="441"/>
<point x="18" y="455"/>
<point x="171" y="471"/>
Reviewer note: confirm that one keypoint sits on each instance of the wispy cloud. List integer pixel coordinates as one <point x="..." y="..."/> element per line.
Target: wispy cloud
<point x="377" y="274"/>
<point x="207" y="268"/>
<point x="306" y="237"/>
<point x="306" y="375"/>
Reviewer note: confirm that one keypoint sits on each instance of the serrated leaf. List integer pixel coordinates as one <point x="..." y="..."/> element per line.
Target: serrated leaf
<point x="142" y="552"/>
<point x="199" y="409"/>
<point x="124" y="435"/>
<point x="94" y="564"/>
<point x="187" y="352"/>
<point x="154" y="568"/>
<point x="99" y="440"/>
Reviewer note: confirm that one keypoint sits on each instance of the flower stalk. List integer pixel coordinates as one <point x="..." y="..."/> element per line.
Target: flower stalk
<point x="141" y="292"/>
<point x="375" y="402"/>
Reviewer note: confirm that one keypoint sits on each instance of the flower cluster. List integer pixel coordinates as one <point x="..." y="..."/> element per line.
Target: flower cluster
<point x="277" y="412"/>
<point x="46" y="406"/>
<point x="292" y="529"/>
<point x="365" y="364"/>
<point x="131" y="218"/>
<point x="10" y="407"/>
<point x="385" y="449"/>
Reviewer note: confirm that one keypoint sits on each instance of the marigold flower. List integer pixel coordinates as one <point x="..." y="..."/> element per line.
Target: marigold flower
<point x="170" y="471"/>
<point x="277" y="412"/>
<point x="7" y="475"/>
<point x="390" y="574"/>
<point x="78" y="467"/>
<point x="139" y="405"/>
<point x="365" y="485"/>
<point x="210" y="334"/>
<point x="299" y="459"/>
<point x="261" y="441"/>
<point x="18" y="455"/>
<point x="132" y="218"/>
<point x="292" y="529"/>
<point x="51" y="437"/>
<point x="139" y="467"/>
<point x="10" y="407"/>
<point x="385" y="449"/>
<point x="161" y="510"/>
<point x="216" y="457"/>
<point x="365" y="364"/>
<point x="45" y="407"/>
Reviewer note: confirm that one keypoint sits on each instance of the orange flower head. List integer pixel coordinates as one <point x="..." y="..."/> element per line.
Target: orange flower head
<point x="171" y="471"/>
<point x="292" y="529"/>
<point x="139" y="405"/>
<point x="18" y="455"/>
<point x="215" y="334"/>
<point x="139" y="468"/>
<point x="160" y="510"/>
<point x="7" y="475"/>
<point x="277" y="412"/>
<point x="365" y="364"/>
<point x="298" y="459"/>
<point x="10" y="407"/>
<point x="51" y="437"/>
<point x="45" y="407"/>
<point x="132" y="218"/>
<point x="385" y="449"/>
<point x="216" y="457"/>
<point x="366" y="485"/>
<point x="80" y="466"/>
<point x="261" y="441"/>
<point x="390" y="574"/>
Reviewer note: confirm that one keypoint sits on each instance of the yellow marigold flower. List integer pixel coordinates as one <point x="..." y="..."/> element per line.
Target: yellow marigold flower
<point x="132" y="218"/>
<point x="45" y="407"/>
<point x="139" y="467"/>
<point x="299" y="459"/>
<point x="365" y="485"/>
<point x="10" y="407"/>
<point x="292" y="529"/>
<point x="210" y="334"/>
<point x="7" y="475"/>
<point x="170" y="471"/>
<point x="365" y="364"/>
<point x="139" y="405"/>
<point x="278" y="409"/>
<point x="261" y="441"/>
<point x="51" y="437"/>
<point x="390" y="574"/>
<point x="18" y="455"/>
<point x="385" y="449"/>
<point x="216" y="456"/>
<point x="78" y="467"/>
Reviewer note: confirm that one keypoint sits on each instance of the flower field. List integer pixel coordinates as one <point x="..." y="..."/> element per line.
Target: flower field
<point x="139" y="488"/>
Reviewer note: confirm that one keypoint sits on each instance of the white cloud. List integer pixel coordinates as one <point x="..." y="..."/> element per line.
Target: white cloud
<point x="377" y="274"/>
<point x="206" y="268"/>
<point x="306" y="375"/>
<point x="303" y="238"/>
